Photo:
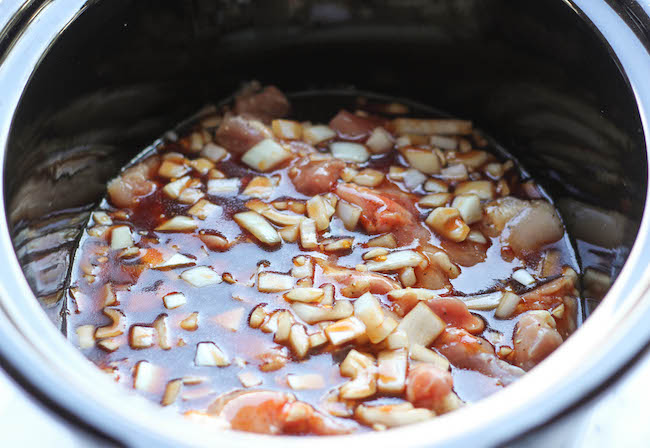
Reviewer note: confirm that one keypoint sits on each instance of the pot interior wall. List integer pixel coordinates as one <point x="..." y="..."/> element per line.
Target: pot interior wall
<point x="531" y="74"/>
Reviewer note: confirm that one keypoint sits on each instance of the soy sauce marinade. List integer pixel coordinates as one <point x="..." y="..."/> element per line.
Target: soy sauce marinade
<point x="292" y="277"/>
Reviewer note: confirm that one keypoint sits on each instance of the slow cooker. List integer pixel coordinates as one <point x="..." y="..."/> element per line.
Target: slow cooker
<point x="86" y="84"/>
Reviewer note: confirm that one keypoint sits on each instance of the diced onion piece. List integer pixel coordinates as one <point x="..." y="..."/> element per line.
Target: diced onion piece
<point x="407" y="277"/>
<point x="484" y="189"/>
<point x="442" y="126"/>
<point x="345" y="330"/>
<point x="471" y="159"/>
<point x="476" y="237"/>
<point x="287" y="129"/>
<point x="392" y="415"/>
<point x="141" y="336"/>
<point x="328" y="294"/>
<point x="317" y="134"/>
<point x="318" y="210"/>
<point x="172" y="170"/>
<point x="189" y="196"/>
<point x="446" y="222"/>
<point x="308" y="236"/>
<point x="231" y="319"/>
<point x="350" y="152"/>
<point x="424" y="160"/>
<point x="102" y="218"/>
<point x="172" y="389"/>
<point x="391" y="371"/>
<point x="421" y="325"/>
<point x="202" y="165"/>
<point x="174" y="261"/>
<point x="85" y="336"/>
<point x="469" y="207"/>
<point x="223" y="187"/>
<point x="444" y="142"/>
<point x="299" y="340"/>
<point x="289" y="234"/>
<point x="145" y="376"/>
<point x="308" y="295"/>
<point x="396" y="260"/>
<point x="482" y="302"/>
<point x="397" y="339"/>
<point x="312" y="314"/>
<point x="121" y="238"/>
<point x="191" y="322"/>
<point x="309" y="381"/>
<point x="368" y="310"/>
<point x="413" y="179"/>
<point x="375" y="253"/>
<point x="507" y="305"/>
<point x="285" y="321"/>
<point x="117" y="326"/>
<point x="349" y="214"/>
<point x="270" y="213"/>
<point x="317" y="339"/>
<point x="369" y="178"/>
<point x="260" y="187"/>
<point x="204" y="208"/>
<point x="361" y="368"/>
<point x="274" y="282"/>
<point x="523" y="277"/>
<point x="355" y="363"/>
<point x="303" y="267"/>
<point x="348" y="174"/>
<point x="257" y="317"/>
<point x="420" y="353"/>
<point x="209" y="355"/>
<point x="436" y="186"/>
<point x="178" y="224"/>
<point x="382" y="331"/>
<point x="271" y="324"/>
<point x="214" y="242"/>
<point x="109" y="345"/>
<point x="214" y="152"/>
<point x="173" y="189"/>
<point x="388" y="240"/>
<point x="162" y="329"/>
<point x="338" y="245"/>
<point x="455" y="171"/>
<point x="265" y="155"/>
<point x="380" y="141"/>
<point x="258" y="226"/>
<point x="416" y="293"/>
<point x="201" y="276"/>
<point x="434" y="200"/>
<point x="249" y="379"/>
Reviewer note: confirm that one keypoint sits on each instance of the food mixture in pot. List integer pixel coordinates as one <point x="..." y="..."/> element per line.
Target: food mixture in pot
<point x="269" y="274"/>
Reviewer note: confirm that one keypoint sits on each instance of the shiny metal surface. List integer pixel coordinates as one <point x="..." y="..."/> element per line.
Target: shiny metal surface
<point x="40" y="358"/>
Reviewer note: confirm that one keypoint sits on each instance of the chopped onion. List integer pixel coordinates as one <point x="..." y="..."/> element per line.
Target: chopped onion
<point x="317" y="339"/>
<point x="484" y="189"/>
<point x="308" y="295"/>
<point x="523" y="277"/>
<point x="345" y="330"/>
<point x="396" y="260"/>
<point x="189" y="196"/>
<point x="382" y="331"/>
<point x="416" y="293"/>
<point x="201" y="276"/>
<point x="121" y="238"/>
<point x="265" y="155"/>
<point x="319" y="210"/>
<point x="317" y="134"/>
<point x="109" y="345"/>
<point x="469" y="207"/>
<point x="141" y="337"/>
<point x="388" y="240"/>
<point x="444" y="142"/>
<point x="391" y="371"/>
<point x="421" y="325"/>
<point x="369" y="178"/>
<point x="380" y="141"/>
<point x="423" y="160"/>
<point x="191" y="322"/>
<point x="312" y="314"/>
<point x="309" y="381"/>
<point x="392" y="415"/>
<point x="455" y="172"/>
<point x="308" y="236"/>
<point x="172" y="389"/>
<point x="259" y="227"/>
<point x="447" y="222"/>
<point x="350" y="152"/>
<point x="257" y="317"/>
<point x="356" y="363"/>
<point x="162" y="329"/>
<point x="368" y="310"/>
<point x="209" y="355"/>
<point x="204" y="208"/>
<point x="407" y="277"/>
<point x="476" y="237"/>
<point x="436" y="186"/>
<point x="289" y="234"/>
<point x="482" y="302"/>
<point x="413" y="179"/>
<point x="173" y="189"/>
<point x="85" y="336"/>
<point x="338" y="245"/>
<point x="223" y="187"/>
<point x="172" y="170"/>
<point x="231" y="319"/>
<point x="117" y="326"/>
<point x="202" y="165"/>
<point x="178" y="224"/>
<point x="303" y="267"/>
<point x="214" y="152"/>
<point x="375" y="253"/>
<point x="442" y="126"/>
<point x="145" y="376"/>
<point x="261" y="187"/>
<point x="420" y="353"/>
<point x="434" y="200"/>
<point x="175" y="261"/>
<point x="274" y="282"/>
<point x="349" y="214"/>
<point x="471" y="159"/>
<point x="249" y="379"/>
<point x="287" y="129"/>
<point x="397" y="339"/>
<point x="284" y="323"/>
<point x="507" y="305"/>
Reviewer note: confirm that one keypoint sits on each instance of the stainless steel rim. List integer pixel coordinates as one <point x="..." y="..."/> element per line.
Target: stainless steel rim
<point x="39" y="356"/>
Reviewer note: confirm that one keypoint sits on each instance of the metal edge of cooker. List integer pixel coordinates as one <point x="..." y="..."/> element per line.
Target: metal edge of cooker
<point x="36" y="355"/>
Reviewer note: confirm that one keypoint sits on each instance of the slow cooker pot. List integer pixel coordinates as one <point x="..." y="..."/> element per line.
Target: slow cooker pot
<point x="85" y="85"/>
